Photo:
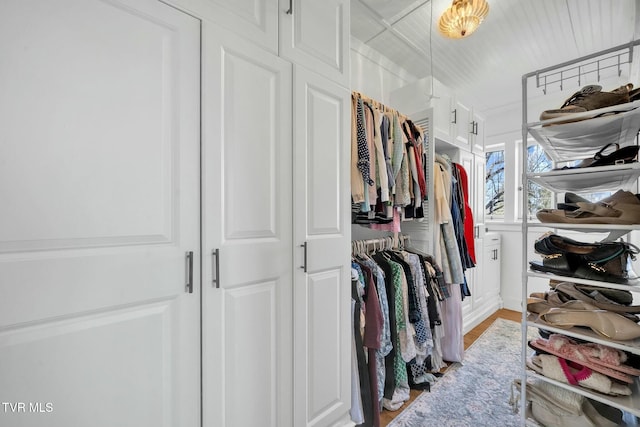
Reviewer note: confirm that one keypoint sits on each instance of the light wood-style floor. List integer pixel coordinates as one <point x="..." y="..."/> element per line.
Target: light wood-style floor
<point x="469" y="338"/>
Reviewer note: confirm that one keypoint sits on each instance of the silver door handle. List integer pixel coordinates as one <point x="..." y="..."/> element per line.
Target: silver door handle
<point x="304" y="259"/>
<point x="189" y="262"/>
<point x="216" y="263"/>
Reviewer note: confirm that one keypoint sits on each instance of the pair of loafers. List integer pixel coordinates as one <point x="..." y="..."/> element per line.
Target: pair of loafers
<point x="622" y="208"/>
<point x="607" y="262"/>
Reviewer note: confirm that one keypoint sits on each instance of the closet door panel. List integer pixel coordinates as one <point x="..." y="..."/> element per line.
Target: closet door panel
<point x="256" y="20"/>
<point x="99" y="148"/>
<point x="323" y="326"/>
<point x="250" y="385"/>
<point x="247" y="218"/>
<point x="321" y="214"/>
<point x="316" y="34"/>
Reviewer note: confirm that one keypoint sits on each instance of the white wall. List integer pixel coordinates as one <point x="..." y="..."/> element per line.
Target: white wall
<point x="375" y="75"/>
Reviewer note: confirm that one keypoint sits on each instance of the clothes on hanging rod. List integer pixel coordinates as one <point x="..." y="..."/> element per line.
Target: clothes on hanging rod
<point x="388" y="165"/>
<point x="396" y="296"/>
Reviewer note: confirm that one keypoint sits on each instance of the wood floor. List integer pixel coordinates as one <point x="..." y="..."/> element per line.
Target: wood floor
<point x="469" y="338"/>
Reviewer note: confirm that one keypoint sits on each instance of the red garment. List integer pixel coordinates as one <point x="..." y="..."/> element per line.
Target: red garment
<point x="468" y="215"/>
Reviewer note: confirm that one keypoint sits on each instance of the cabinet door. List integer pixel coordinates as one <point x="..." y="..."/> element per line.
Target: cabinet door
<point x="462" y="126"/>
<point x="322" y="295"/>
<point x="100" y="181"/>
<point x="256" y="20"/>
<point x="492" y="266"/>
<point x="478" y="187"/>
<point x="477" y="134"/>
<point x="316" y="34"/>
<point x="246" y="312"/>
<point x="443" y="117"/>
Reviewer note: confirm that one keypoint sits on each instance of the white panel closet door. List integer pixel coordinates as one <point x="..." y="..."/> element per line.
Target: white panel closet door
<point x="247" y="304"/>
<point x="256" y="20"/>
<point x="316" y="34"/>
<point x="322" y="293"/>
<point x="99" y="177"/>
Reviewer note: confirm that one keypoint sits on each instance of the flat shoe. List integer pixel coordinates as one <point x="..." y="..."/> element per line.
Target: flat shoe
<point x="609" y="325"/>
<point x="581" y="272"/>
<point x="535" y="305"/>
<point x="594" y="213"/>
<point x="571" y="290"/>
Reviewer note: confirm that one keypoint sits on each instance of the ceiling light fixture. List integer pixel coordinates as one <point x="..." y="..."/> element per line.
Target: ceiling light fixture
<point x="462" y="18"/>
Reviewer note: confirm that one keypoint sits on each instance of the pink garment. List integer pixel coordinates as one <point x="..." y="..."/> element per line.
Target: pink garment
<point x="393" y="226"/>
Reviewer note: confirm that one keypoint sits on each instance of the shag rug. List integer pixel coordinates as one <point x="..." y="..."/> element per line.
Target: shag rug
<point x="475" y="393"/>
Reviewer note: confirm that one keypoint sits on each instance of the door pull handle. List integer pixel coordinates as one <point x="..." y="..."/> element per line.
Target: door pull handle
<point x="216" y="263"/>
<point x="304" y="259"/>
<point x="189" y="262"/>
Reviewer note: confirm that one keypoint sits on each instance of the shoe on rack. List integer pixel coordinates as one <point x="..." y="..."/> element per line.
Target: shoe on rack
<point x="571" y="200"/>
<point x="624" y="212"/>
<point x="559" y="369"/>
<point x="604" y="323"/>
<point x="616" y="156"/>
<point x="563" y="254"/>
<point x="566" y="348"/>
<point x="589" y="98"/>
<point x="594" y="297"/>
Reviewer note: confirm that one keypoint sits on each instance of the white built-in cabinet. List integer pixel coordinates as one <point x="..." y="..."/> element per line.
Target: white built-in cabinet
<point x="276" y="230"/>
<point x="100" y="224"/>
<point x="176" y="252"/>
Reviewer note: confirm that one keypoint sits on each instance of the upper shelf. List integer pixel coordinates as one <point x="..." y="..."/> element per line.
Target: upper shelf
<point x="582" y="139"/>
<point x="589" y="179"/>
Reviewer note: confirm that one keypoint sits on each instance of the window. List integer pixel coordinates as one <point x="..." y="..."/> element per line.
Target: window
<point x="538" y="197"/>
<point x="494" y="184"/>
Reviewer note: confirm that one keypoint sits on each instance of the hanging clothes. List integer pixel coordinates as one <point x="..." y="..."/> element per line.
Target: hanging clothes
<point x="468" y="214"/>
<point x="397" y="298"/>
<point x="387" y="165"/>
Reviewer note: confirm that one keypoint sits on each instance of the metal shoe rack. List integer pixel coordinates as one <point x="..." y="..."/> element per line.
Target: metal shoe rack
<point x="567" y="142"/>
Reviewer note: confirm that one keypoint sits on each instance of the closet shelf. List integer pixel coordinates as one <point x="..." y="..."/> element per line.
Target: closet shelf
<point x="632" y="346"/>
<point x="629" y="404"/>
<point x="580" y="140"/>
<point x="585" y="228"/>
<point x="601" y="178"/>
<point x="633" y="287"/>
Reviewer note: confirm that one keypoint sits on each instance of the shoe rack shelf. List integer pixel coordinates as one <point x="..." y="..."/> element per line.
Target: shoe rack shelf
<point x="632" y="346"/>
<point x="600" y="178"/>
<point x="618" y="124"/>
<point x="629" y="404"/>
<point x="634" y="285"/>
<point x="563" y="143"/>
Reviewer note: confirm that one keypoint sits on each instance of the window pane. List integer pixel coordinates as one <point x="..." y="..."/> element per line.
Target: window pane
<point x="539" y="197"/>
<point x="494" y="183"/>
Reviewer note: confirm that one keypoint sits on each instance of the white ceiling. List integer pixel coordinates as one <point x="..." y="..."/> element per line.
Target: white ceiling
<point x="517" y="37"/>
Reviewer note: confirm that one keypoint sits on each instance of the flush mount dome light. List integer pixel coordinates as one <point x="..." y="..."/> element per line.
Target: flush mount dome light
<point x="462" y="18"/>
